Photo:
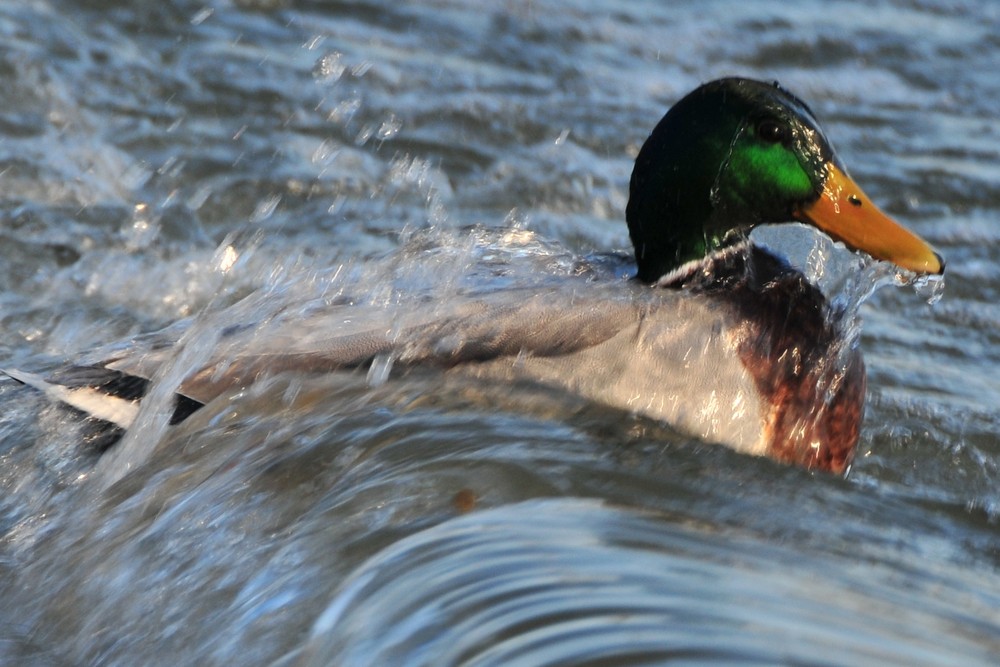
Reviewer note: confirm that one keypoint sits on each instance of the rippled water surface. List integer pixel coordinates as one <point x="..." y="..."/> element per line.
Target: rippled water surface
<point x="217" y="162"/>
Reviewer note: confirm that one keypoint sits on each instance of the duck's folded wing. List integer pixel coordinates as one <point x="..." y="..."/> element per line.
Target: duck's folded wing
<point x="477" y="330"/>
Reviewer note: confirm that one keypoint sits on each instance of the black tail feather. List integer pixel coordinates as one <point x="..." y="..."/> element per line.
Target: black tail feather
<point x="104" y="434"/>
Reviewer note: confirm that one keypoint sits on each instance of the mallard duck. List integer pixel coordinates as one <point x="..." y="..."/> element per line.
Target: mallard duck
<point x="716" y="336"/>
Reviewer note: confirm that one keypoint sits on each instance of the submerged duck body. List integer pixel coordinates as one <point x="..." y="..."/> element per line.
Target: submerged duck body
<point x="717" y="337"/>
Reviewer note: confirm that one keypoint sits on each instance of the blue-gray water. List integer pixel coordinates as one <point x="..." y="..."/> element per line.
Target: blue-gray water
<point x="161" y="161"/>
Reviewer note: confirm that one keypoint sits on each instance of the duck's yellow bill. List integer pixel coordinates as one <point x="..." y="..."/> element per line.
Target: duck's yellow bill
<point x="845" y="213"/>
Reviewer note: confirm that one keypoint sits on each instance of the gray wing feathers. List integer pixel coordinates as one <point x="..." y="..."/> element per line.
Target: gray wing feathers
<point x="483" y="329"/>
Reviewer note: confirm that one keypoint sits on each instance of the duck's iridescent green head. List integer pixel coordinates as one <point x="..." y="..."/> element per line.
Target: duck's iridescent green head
<point x="736" y="153"/>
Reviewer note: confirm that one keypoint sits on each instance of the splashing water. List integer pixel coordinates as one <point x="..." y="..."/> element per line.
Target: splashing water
<point x="847" y="278"/>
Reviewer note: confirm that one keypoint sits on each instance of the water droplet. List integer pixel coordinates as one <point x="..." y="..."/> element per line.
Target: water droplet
<point x="314" y="43"/>
<point x="202" y="16"/>
<point x="330" y="67"/>
<point x="516" y="220"/>
<point x="364" y="135"/>
<point x="326" y="152"/>
<point x="361" y="69"/>
<point x="225" y="258"/>
<point x="390" y="127"/>
<point x="265" y="209"/>
<point x="343" y="112"/>
<point x="930" y="288"/>
<point x="142" y="229"/>
<point x="378" y="372"/>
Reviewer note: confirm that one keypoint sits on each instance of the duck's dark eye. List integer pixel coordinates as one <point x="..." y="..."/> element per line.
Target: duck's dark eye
<point x="771" y="131"/>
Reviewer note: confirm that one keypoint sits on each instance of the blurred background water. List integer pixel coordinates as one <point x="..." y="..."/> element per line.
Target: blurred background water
<point x="162" y="161"/>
